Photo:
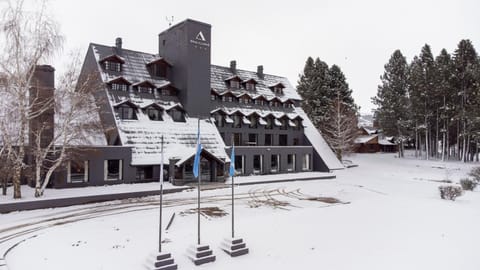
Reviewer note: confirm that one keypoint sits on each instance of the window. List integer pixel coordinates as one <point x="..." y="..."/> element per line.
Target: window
<point x="165" y="92"/>
<point x="239" y="161"/>
<point x="113" y="170"/>
<point x="291" y="162"/>
<point x="274" y="104"/>
<point x="177" y="115"/>
<point x="284" y="122"/>
<point x="237" y="121"/>
<point x="234" y="84"/>
<point x="250" y="86"/>
<point x="244" y="100"/>
<point x="253" y="121"/>
<point x="154" y="114"/>
<point x="219" y="120"/>
<point x="252" y="139"/>
<point x="160" y="70"/>
<point x="278" y="90"/>
<point x="268" y="139"/>
<point x="113" y="66"/>
<point x="282" y="140"/>
<point x="119" y="87"/>
<point x="237" y="138"/>
<point x="258" y="101"/>
<point x="144" y="89"/>
<point x="287" y="105"/>
<point x="127" y="113"/>
<point x="269" y="123"/>
<point x="274" y="163"/>
<point x="144" y="173"/>
<point x="77" y="171"/>
<point x="213" y="97"/>
<point x="306" y="162"/>
<point x="257" y="164"/>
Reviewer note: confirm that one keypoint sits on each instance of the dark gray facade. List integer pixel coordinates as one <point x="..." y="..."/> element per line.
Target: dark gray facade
<point x="138" y="106"/>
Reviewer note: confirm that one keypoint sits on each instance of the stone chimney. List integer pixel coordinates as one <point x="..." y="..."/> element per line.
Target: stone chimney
<point x="260" y="72"/>
<point x="233" y="66"/>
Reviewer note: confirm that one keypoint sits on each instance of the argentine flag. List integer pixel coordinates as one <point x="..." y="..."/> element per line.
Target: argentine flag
<point x="196" y="162"/>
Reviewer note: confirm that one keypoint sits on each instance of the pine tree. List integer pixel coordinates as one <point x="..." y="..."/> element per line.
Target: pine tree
<point x="466" y="81"/>
<point x="392" y="99"/>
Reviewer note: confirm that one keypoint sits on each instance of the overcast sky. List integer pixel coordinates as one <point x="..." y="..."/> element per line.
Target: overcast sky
<point x="359" y="36"/>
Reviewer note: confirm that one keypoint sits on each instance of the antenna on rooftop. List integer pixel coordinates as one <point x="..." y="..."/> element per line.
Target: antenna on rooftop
<point x="169" y="20"/>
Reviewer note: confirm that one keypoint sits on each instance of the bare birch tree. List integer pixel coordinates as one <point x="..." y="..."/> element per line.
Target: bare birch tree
<point x="26" y="39"/>
<point x="341" y="131"/>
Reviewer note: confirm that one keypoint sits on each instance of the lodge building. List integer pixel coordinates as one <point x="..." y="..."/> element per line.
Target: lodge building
<point x="145" y="98"/>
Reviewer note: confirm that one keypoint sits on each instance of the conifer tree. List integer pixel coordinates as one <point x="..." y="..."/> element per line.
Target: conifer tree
<point x="392" y="99"/>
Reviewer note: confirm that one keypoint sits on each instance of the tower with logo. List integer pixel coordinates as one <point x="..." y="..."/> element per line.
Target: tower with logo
<point x="186" y="46"/>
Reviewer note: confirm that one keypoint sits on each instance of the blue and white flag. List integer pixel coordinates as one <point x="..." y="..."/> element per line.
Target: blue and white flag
<point x="232" y="162"/>
<point x="196" y="162"/>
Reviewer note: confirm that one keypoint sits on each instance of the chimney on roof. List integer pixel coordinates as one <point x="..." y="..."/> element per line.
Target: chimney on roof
<point x="118" y="43"/>
<point x="233" y="66"/>
<point x="260" y="72"/>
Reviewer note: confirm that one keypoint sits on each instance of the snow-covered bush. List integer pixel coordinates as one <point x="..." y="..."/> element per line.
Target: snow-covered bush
<point x="468" y="184"/>
<point x="475" y="173"/>
<point x="450" y="192"/>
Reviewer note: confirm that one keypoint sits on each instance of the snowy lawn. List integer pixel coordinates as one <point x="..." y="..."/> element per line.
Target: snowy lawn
<point x="391" y="218"/>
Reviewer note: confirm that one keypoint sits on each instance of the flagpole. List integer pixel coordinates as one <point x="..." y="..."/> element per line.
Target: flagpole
<point x="233" y="198"/>
<point x="198" y="186"/>
<point x="161" y="203"/>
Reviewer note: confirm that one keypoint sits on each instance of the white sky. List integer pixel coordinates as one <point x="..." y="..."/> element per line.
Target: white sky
<point x="359" y="36"/>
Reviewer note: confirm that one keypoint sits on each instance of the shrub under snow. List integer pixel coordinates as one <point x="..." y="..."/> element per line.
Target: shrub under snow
<point x="468" y="184"/>
<point x="475" y="173"/>
<point x="450" y="192"/>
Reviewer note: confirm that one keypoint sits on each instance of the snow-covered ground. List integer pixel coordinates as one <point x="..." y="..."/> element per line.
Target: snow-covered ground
<point x="391" y="218"/>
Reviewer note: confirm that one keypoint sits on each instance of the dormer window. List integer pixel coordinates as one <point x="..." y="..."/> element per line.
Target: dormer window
<point x="244" y="99"/>
<point x="274" y="103"/>
<point x="233" y="82"/>
<point x="113" y="66"/>
<point x="167" y="90"/>
<point x="213" y="95"/>
<point x="119" y="87"/>
<point x="119" y="84"/>
<point x="177" y="113"/>
<point x="143" y="87"/>
<point x="159" y="67"/>
<point x="249" y="84"/>
<point x="126" y="112"/>
<point x="228" y="97"/>
<point x="154" y="114"/>
<point x="277" y="88"/>
<point x="112" y="63"/>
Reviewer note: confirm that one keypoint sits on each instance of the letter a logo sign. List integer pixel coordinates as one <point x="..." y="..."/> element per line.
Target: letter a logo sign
<point x="200" y="36"/>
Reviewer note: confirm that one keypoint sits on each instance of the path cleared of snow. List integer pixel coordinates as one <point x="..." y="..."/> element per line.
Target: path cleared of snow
<point x="392" y="218"/>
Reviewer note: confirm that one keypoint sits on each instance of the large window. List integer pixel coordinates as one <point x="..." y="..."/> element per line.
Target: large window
<point x="154" y="114"/>
<point x="237" y="138"/>
<point x="268" y="139"/>
<point x="77" y="171"/>
<point x="144" y="173"/>
<point x="282" y="140"/>
<point x="275" y="163"/>
<point x="257" y="164"/>
<point x="113" y="169"/>
<point x="239" y="164"/>
<point x="291" y="162"/>
<point x="306" y="162"/>
<point x="127" y="113"/>
<point x="252" y="139"/>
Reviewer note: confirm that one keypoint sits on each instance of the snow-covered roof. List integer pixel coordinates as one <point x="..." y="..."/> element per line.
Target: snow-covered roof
<point x="319" y="144"/>
<point x="220" y="74"/>
<point x="180" y="139"/>
<point x="365" y="138"/>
